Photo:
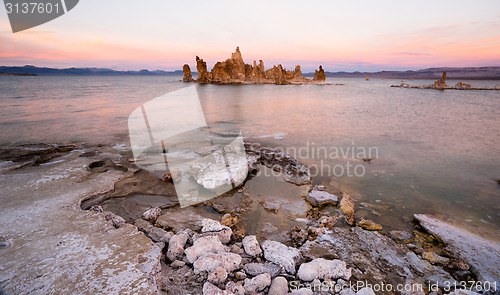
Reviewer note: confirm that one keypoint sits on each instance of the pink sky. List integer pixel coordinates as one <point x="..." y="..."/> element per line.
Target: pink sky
<point x="340" y="35"/>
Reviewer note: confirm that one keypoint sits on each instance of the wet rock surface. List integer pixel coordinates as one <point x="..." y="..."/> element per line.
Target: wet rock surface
<point x="481" y="254"/>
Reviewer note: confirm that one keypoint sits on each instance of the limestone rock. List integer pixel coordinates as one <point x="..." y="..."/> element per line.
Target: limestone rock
<point x="211" y="289"/>
<point x="441" y="82"/>
<point x="152" y="214"/>
<point x="210" y="261"/>
<point x="368" y="224"/>
<point x="279" y="286"/>
<point x="154" y="233"/>
<point x="434" y="258"/>
<point x="480" y="253"/>
<point x="235" y="288"/>
<point x="176" y="246"/>
<point x="321" y="268"/>
<point x="252" y="246"/>
<point x="281" y="254"/>
<point x="217" y="276"/>
<point x="321" y="198"/>
<point x="203" y="245"/>
<point x="203" y="75"/>
<point x="319" y="75"/>
<point x="187" y="75"/>
<point x="346" y="204"/>
<point x="255" y="269"/>
<point x="257" y="283"/>
<point x="113" y="219"/>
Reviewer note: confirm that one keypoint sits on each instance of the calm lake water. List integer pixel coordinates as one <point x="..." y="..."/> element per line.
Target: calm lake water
<point x="432" y="151"/>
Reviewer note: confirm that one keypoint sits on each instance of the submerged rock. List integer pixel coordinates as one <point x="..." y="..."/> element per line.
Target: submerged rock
<point x="281" y="254"/>
<point x="323" y="269"/>
<point x="321" y="198"/>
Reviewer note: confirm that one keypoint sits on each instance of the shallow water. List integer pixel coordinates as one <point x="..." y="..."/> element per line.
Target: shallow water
<point x="432" y="151"/>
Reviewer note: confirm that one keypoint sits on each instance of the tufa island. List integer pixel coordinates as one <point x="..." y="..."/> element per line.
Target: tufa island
<point x="235" y="71"/>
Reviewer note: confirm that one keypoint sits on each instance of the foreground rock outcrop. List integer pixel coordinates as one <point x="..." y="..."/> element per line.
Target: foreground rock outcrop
<point x="235" y="71"/>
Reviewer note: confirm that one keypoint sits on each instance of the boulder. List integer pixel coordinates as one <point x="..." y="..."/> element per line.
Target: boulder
<point x="279" y="286"/>
<point x="322" y="269"/>
<point x="257" y="283"/>
<point x="252" y="246"/>
<point x="321" y="198"/>
<point x="281" y="254"/>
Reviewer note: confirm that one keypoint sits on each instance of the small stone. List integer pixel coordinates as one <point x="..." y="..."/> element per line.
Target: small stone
<point x="281" y="254"/>
<point x="229" y="220"/>
<point x="152" y="214"/>
<point x="211" y="289"/>
<point x="210" y="261"/>
<point x="458" y="264"/>
<point x="235" y="288"/>
<point x="210" y="225"/>
<point x="258" y="283"/>
<point x="346" y="204"/>
<point x="154" y="233"/>
<point x="96" y="208"/>
<point x="434" y="258"/>
<point x="176" y="247"/>
<point x="350" y="219"/>
<point x="217" y="276"/>
<point x="240" y="275"/>
<point x="321" y="268"/>
<point x="279" y="286"/>
<point x="271" y="206"/>
<point x="113" y="219"/>
<point x="298" y="235"/>
<point x="326" y="221"/>
<point x="203" y="245"/>
<point x="255" y="269"/>
<point x="252" y="246"/>
<point x="237" y="250"/>
<point x="368" y="224"/>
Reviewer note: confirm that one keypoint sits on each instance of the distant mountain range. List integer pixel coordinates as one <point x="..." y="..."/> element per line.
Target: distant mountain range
<point x="466" y="73"/>
<point x="38" y="71"/>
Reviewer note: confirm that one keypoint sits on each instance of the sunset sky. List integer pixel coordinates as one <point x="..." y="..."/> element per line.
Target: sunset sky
<point x="340" y="35"/>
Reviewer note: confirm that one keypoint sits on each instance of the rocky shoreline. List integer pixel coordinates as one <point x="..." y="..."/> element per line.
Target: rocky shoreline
<point x="235" y="71"/>
<point x="328" y="253"/>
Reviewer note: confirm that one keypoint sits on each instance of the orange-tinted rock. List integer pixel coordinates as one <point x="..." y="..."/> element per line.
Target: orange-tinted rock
<point x="319" y="75"/>
<point x="203" y="75"/>
<point x="441" y="82"/>
<point x="187" y="75"/>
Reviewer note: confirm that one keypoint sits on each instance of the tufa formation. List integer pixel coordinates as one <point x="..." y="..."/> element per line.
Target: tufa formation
<point x="235" y="71"/>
